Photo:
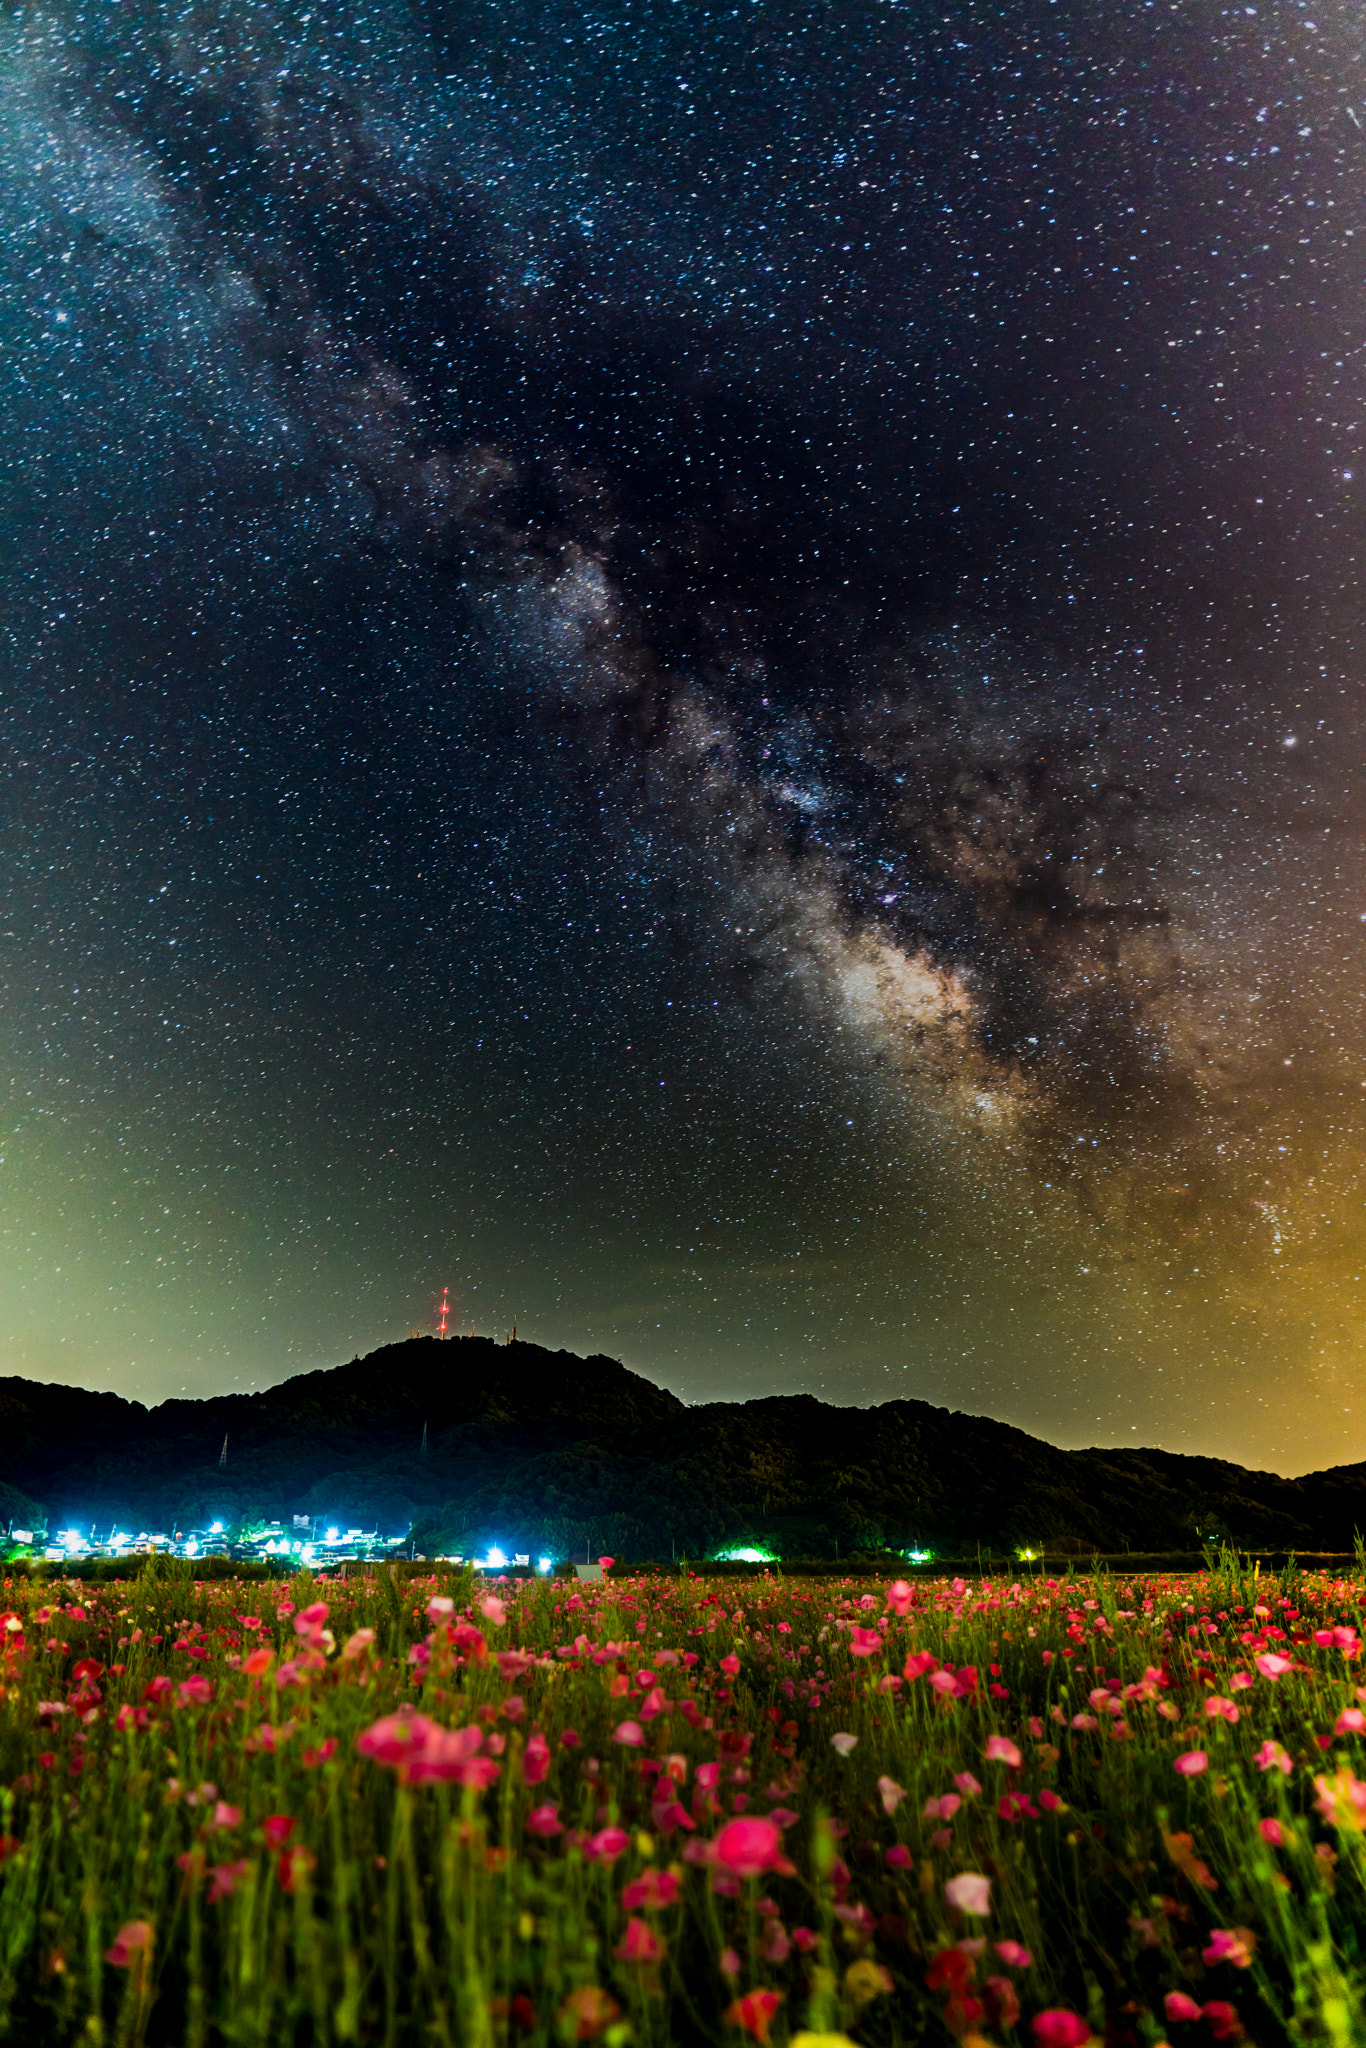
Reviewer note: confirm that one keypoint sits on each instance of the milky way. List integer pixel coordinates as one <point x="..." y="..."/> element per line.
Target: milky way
<point x="695" y="669"/>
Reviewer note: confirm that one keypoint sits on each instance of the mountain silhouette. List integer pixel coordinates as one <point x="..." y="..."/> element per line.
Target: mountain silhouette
<point x="469" y="1442"/>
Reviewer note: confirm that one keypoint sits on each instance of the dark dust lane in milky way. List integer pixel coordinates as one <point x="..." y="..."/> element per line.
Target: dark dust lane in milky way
<point x="695" y="668"/>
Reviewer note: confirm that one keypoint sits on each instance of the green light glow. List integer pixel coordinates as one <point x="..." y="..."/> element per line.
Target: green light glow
<point x="745" y="1557"/>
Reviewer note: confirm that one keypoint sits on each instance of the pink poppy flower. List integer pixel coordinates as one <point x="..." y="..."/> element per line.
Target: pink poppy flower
<point x="493" y="1610"/>
<point x="654" y="1889"/>
<point x="898" y="1857"/>
<point x="640" y="1944"/>
<point x="1001" y="1750"/>
<point x="630" y="1733"/>
<point x="918" y="1663"/>
<point x="133" y="1939"/>
<point x="277" y="1829"/>
<point x="606" y="1845"/>
<point x="395" y="1738"/>
<point x="969" y="1892"/>
<point x="943" y="1808"/>
<point x="754" y="2012"/>
<point x="1060" y="2029"/>
<point x="900" y="1597"/>
<point x="224" y="1878"/>
<point x="1192" y="1764"/>
<point x="1351" y="1721"/>
<point x="225" y="1816"/>
<point x="607" y="1563"/>
<point x="666" y="1812"/>
<point x="1273" y="1665"/>
<point x="1003" y="2003"/>
<point x="1230" y="1945"/>
<point x="844" y="1742"/>
<point x="1272" y="1757"/>
<point x="1271" y="1831"/>
<point x="1014" y="1954"/>
<point x="731" y="1665"/>
<point x="748" y="1847"/>
<point x="310" y="1618"/>
<point x="440" y="1607"/>
<point x="535" y="1760"/>
<point x="544" y="1821"/>
<point x="195" y="1692"/>
<point x="1221" y="2019"/>
<point x="424" y="1754"/>
<point x="865" y="1642"/>
<point x="1342" y="1800"/>
<point x="449" y="1761"/>
<point x="1177" y="2005"/>
<point x="966" y="1784"/>
<point x="890" y="1793"/>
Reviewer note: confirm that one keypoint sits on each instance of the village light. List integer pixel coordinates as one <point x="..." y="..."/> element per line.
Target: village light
<point x="543" y="1564"/>
<point x="496" y="1560"/>
<point x="746" y="1557"/>
<point x="215" y="1528"/>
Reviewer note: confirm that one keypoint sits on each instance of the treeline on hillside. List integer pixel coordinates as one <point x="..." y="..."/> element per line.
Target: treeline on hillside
<point x="547" y="1452"/>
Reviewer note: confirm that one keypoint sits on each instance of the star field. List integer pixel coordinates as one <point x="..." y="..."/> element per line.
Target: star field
<point x="696" y="669"/>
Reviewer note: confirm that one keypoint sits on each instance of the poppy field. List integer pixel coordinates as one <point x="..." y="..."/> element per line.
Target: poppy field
<point x="660" y="1810"/>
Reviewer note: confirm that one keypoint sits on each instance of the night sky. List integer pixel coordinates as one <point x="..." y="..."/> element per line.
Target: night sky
<point x="696" y="669"/>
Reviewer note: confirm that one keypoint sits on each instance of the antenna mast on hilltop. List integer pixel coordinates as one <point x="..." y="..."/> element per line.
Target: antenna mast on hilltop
<point x="223" y="1454"/>
<point x="445" y="1313"/>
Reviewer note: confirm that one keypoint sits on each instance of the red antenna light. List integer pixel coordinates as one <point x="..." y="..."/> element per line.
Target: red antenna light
<point x="445" y="1311"/>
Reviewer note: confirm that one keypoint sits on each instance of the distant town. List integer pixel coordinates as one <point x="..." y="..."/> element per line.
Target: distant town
<point x="305" y="1541"/>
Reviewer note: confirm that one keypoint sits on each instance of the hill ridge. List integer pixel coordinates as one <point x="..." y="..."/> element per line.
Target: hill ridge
<point x="549" y="1450"/>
